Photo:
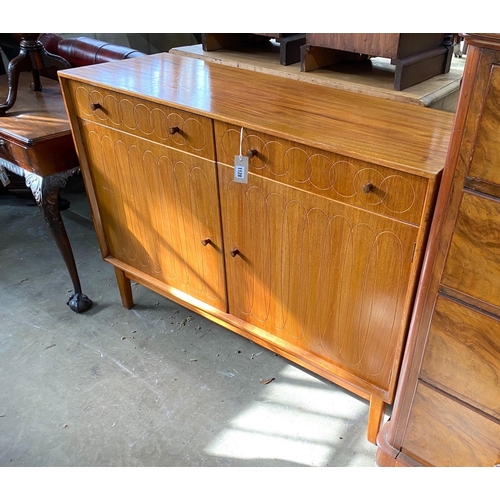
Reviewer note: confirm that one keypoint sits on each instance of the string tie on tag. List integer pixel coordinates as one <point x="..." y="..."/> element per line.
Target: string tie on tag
<point x="241" y="142"/>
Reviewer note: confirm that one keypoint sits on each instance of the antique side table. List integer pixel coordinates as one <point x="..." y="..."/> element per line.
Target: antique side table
<point x="36" y="143"/>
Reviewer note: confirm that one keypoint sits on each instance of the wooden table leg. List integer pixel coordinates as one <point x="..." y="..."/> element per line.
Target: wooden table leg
<point x="375" y="416"/>
<point x="125" y="288"/>
<point x="46" y="191"/>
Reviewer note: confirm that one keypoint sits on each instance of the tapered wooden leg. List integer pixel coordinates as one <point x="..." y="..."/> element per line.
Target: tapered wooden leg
<point x="125" y="288"/>
<point x="375" y="416"/>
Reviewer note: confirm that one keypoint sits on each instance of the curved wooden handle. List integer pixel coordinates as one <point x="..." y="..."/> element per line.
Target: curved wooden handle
<point x="234" y="252"/>
<point x="95" y="106"/>
<point x="206" y="241"/>
<point x="174" y="130"/>
<point x="251" y="153"/>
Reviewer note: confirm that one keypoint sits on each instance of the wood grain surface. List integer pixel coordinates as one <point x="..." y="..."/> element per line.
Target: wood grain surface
<point x="464" y="341"/>
<point x="446" y="433"/>
<point x="388" y="133"/>
<point x="374" y="77"/>
<point x="35" y="115"/>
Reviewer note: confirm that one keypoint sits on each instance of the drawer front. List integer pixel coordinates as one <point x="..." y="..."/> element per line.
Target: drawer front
<point x="159" y="123"/>
<point x="473" y="263"/>
<point x="377" y="189"/>
<point x="15" y="154"/>
<point x="463" y="341"/>
<point x="485" y="163"/>
<point x="445" y="433"/>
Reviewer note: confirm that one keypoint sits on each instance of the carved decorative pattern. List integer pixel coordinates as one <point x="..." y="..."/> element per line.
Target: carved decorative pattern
<point x="328" y="174"/>
<point x="150" y="121"/>
<point x="45" y="191"/>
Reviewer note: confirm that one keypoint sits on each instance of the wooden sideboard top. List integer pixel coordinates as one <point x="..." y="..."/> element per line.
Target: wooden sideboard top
<point x="412" y="138"/>
<point x="35" y="116"/>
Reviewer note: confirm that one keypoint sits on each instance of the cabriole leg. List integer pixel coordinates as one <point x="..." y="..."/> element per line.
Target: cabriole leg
<point x="46" y="191"/>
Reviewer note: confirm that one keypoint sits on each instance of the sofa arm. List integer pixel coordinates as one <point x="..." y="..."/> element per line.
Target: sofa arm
<point x="83" y="51"/>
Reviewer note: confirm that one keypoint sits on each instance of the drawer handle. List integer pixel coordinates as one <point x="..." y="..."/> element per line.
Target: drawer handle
<point x="3" y="143"/>
<point x="234" y="252"/>
<point x="174" y="130"/>
<point x="206" y="241"/>
<point x="95" y="106"/>
<point x="251" y="153"/>
<point x="367" y="187"/>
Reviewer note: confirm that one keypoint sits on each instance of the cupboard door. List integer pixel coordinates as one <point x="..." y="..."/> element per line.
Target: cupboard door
<point x="328" y="279"/>
<point x="160" y="211"/>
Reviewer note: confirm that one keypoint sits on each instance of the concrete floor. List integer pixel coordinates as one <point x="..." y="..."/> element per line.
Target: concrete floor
<point x="153" y="386"/>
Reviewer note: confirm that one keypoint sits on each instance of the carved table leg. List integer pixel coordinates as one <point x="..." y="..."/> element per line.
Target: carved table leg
<point x="46" y="190"/>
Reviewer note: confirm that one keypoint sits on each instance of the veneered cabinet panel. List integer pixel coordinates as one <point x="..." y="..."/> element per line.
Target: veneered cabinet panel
<point x="157" y="205"/>
<point x="446" y="433"/>
<point x="485" y="163"/>
<point x="473" y="263"/>
<point x="358" y="183"/>
<point x="156" y="122"/>
<point x="320" y="275"/>
<point x="462" y="341"/>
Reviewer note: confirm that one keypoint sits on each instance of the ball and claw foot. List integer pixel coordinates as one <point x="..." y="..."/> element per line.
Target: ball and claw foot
<point x="79" y="302"/>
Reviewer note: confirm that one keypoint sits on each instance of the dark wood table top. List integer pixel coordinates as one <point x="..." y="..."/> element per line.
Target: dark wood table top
<point x="36" y="128"/>
<point x="35" y="115"/>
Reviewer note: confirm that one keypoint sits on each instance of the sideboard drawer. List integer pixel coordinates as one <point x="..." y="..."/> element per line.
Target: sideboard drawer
<point x="445" y="433"/>
<point x="463" y="341"/>
<point x="485" y="163"/>
<point x="14" y="153"/>
<point x="473" y="264"/>
<point x="372" y="187"/>
<point x="159" y="123"/>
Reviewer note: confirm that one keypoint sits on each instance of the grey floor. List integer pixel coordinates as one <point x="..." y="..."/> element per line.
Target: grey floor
<point x="156" y="385"/>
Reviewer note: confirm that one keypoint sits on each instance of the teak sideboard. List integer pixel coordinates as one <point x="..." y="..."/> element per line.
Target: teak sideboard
<point x="447" y="409"/>
<point x="316" y="257"/>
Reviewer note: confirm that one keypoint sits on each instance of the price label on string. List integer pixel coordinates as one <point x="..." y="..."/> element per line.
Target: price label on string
<point x="4" y="178"/>
<point x="241" y="165"/>
<point x="241" y="169"/>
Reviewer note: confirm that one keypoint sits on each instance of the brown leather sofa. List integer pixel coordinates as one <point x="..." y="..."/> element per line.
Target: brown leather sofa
<point x="83" y="51"/>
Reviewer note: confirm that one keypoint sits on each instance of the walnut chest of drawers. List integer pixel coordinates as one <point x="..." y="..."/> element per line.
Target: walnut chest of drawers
<point x="447" y="409"/>
<point x="316" y="257"/>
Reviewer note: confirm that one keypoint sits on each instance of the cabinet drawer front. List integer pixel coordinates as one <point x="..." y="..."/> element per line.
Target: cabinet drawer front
<point x="485" y="163"/>
<point x="15" y="154"/>
<point x="158" y="206"/>
<point x="473" y="262"/>
<point x="371" y="187"/>
<point x="463" y="341"/>
<point x="446" y="433"/>
<point x="168" y="126"/>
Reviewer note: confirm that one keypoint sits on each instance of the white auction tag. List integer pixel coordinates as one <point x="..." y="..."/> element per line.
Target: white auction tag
<point x="3" y="176"/>
<point x="241" y="169"/>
